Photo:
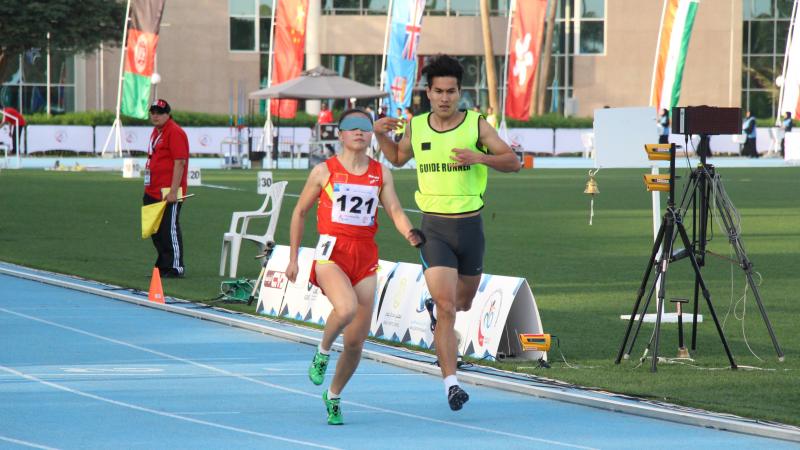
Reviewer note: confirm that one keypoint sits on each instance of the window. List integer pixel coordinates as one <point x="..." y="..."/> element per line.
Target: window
<point x="26" y="86"/>
<point x="432" y="7"/>
<point x="764" y="35"/>
<point x="242" y="25"/>
<point x="590" y="26"/>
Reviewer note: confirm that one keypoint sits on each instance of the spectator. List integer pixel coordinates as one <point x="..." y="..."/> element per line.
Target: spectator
<point x="787" y="128"/>
<point x="165" y="179"/>
<point x="663" y="127"/>
<point x="749" y="129"/>
<point x="325" y="114"/>
<point x="15" y="126"/>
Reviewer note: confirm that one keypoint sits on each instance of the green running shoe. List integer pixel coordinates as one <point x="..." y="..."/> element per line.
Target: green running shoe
<point x="316" y="372"/>
<point x="334" y="410"/>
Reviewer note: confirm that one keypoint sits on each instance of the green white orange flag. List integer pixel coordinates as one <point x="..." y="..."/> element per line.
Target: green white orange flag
<point x="140" y="53"/>
<point x="673" y="43"/>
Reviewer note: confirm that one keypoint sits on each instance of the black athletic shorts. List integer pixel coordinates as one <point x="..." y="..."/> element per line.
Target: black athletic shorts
<point x="456" y="243"/>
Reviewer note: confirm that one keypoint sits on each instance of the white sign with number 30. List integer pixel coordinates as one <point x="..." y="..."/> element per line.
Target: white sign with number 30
<point x="264" y="182"/>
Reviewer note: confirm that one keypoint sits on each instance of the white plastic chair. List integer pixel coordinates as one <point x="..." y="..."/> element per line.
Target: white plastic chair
<point x="232" y="240"/>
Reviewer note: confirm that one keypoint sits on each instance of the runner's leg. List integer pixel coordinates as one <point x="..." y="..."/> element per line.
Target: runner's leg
<point x="354" y="334"/>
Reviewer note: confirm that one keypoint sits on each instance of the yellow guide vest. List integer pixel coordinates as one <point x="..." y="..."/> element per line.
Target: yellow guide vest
<point x="445" y="188"/>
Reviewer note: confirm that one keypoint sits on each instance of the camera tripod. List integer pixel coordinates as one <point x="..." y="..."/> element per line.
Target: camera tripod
<point x="702" y="181"/>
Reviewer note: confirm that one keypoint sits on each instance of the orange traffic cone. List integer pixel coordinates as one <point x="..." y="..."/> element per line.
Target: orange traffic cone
<point x="156" y="293"/>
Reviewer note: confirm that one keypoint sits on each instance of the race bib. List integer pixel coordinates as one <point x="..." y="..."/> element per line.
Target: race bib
<point x="147" y="177"/>
<point x="354" y="204"/>
<point x="324" y="247"/>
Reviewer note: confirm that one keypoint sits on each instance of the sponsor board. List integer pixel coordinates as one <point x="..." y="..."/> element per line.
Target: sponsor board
<point x="502" y="308"/>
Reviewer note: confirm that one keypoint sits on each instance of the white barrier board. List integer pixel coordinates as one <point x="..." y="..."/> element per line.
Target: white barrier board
<point x="273" y="285"/>
<point x="792" y="146"/>
<point x="502" y="308"/>
<point x="42" y="138"/>
<point x="134" y="138"/>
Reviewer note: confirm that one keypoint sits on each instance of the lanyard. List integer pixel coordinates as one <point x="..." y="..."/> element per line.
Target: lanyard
<point x="154" y="143"/>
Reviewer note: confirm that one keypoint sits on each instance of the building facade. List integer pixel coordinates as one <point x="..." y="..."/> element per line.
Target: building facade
<point x="212" y="51"/>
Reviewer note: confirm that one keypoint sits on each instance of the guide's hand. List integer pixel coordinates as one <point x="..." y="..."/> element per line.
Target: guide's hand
<point x="466" y="157"/>
<point x="385" y="125"/>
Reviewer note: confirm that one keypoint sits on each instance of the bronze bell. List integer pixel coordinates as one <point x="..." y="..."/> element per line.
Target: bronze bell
<point x="591" y="185"/>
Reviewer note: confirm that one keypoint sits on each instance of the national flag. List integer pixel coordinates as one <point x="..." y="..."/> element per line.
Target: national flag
<point x="527" y="29"/>
<point x="673" y="45"/>
<point x="288" y="50"/>
<point x="140" y="53"/>
<point x="401" y="58"/>
<point x="790" y="80"/>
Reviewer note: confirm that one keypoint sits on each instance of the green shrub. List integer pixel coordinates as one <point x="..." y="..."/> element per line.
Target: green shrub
<point x="199" y="119"/>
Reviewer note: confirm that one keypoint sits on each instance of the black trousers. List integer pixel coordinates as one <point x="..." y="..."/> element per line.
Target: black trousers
<point x="168" y="240"/>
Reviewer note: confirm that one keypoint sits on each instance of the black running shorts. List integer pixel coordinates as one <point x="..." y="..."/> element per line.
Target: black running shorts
<point x="456" y="243"/>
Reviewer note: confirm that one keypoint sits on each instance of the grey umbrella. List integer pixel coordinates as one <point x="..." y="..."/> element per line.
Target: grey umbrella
<point x="319" y="83"/>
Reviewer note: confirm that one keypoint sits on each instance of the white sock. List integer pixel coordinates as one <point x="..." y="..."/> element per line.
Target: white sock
<point x="449" y="380"/>
<point x="322" y="350"/>
<point x="331" y="395"/>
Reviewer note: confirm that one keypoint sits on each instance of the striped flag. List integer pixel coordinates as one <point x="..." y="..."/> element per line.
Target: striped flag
<point x="289" y="49"/>
<point x="673" y="43"/>
<point x="401" y="65"/>
<point x="790" y="80"/>
<point x="140" y="53"/>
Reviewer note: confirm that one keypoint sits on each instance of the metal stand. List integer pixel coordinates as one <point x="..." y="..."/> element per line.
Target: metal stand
<point x="704" y="182"/>
<point x="671" y="224"/>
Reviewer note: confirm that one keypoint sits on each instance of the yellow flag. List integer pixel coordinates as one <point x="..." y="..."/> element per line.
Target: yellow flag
<point x="151" y="218"/>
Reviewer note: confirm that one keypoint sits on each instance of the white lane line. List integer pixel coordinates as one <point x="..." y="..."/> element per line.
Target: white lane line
<point x="156" y="412"/>
<point x="26" y="443"/>
<point x="288" y="389"/>
<point x="217" y="186"/>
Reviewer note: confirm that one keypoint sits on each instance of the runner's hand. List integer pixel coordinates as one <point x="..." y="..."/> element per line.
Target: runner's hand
<point x="415" y="237"/>
<point x="291" y="271"/>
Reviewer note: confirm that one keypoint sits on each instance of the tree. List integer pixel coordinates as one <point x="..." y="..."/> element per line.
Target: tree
<point x="74" y="26"/>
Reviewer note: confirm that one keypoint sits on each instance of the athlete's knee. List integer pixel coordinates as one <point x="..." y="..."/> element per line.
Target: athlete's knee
<point x="445" y="311"/>
<point x="464" y="305"/>
<point x="353" y="345"/>
<point x="346" y="311"/>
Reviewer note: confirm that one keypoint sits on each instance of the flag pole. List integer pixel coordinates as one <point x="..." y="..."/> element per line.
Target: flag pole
<point x="512" y="5"/>
<point x="386" y="44"/>
<point x="116" y="127"/>
<point x="266" y="134"/>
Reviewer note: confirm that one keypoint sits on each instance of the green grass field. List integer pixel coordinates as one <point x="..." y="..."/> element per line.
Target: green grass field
<point x="583" y="277"/>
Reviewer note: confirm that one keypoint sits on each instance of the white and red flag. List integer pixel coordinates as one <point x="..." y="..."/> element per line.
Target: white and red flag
<point x="527" y="29"/>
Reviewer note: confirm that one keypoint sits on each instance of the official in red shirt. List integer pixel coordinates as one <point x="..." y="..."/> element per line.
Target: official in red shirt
<point x="165" y="175"/>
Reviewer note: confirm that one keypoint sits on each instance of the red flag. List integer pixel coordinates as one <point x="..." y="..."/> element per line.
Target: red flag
<point x="527" y="27"/>
<point x="288" y="48"/>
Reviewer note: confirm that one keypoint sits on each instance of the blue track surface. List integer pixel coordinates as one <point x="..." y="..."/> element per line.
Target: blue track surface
<point x="83" y="371"/>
